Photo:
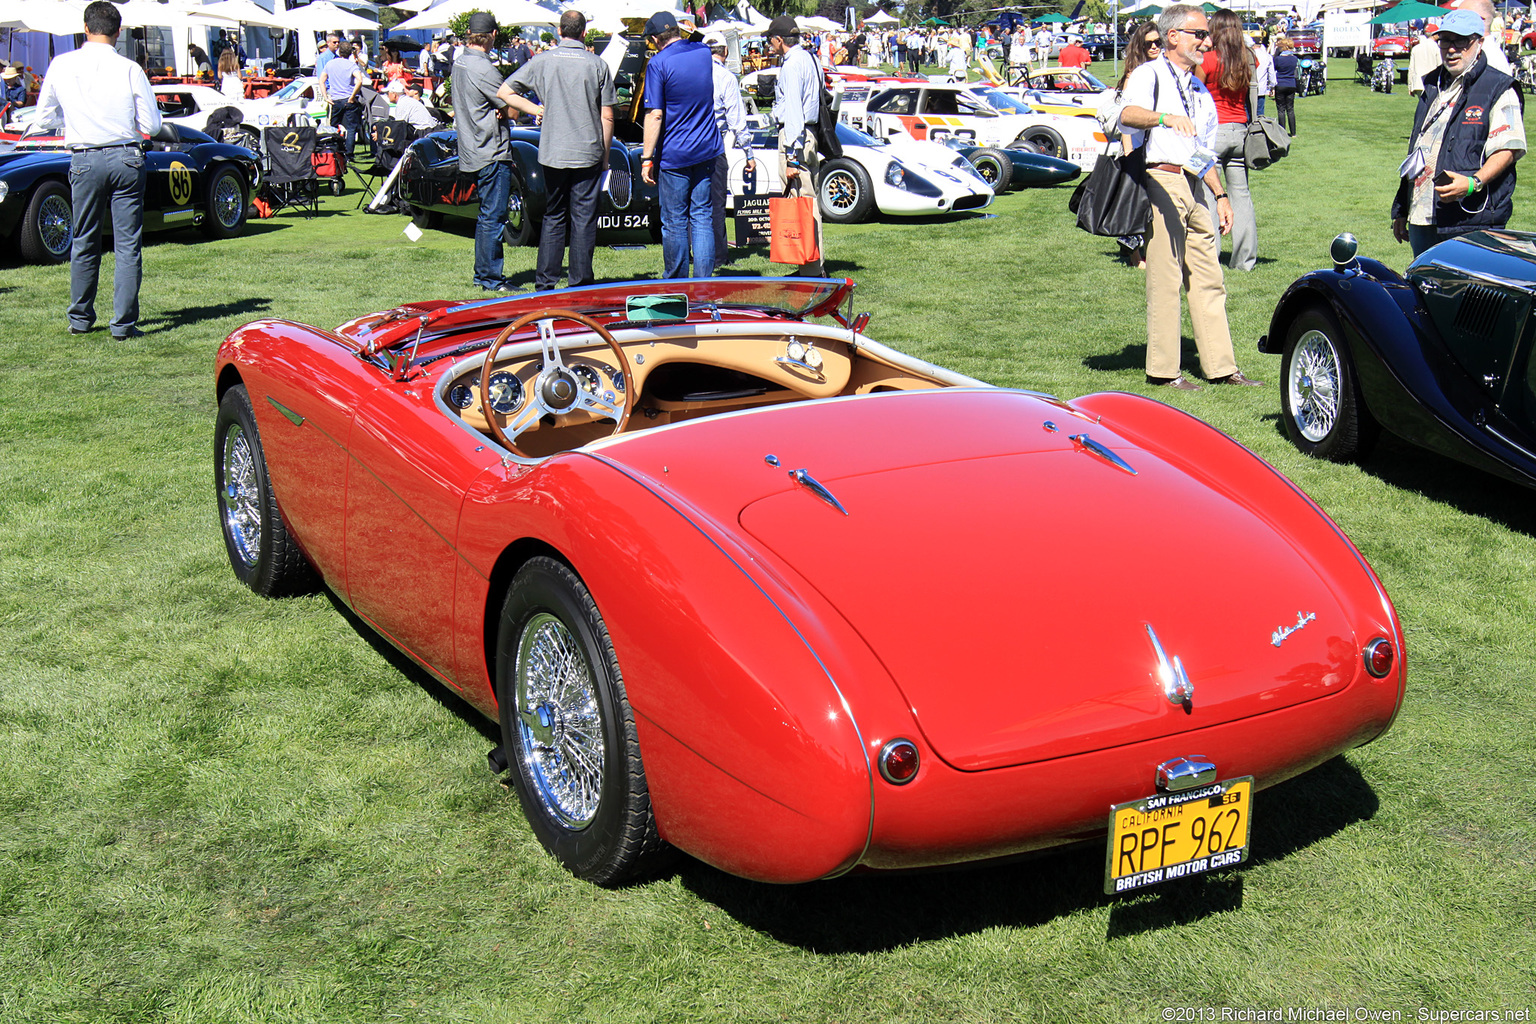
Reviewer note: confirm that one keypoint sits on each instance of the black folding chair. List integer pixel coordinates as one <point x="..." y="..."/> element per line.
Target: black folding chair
<point x="390" y="139"/>
<point x="291" y="178"/>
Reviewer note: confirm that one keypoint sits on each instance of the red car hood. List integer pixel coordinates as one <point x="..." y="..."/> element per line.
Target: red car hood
<point x="1006" y="575"/>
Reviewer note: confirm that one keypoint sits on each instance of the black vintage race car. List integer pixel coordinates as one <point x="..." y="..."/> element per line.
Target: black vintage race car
<point x="1441" y="358"/>
<point x="192" y="180"/>
<point x="432" y="185"/>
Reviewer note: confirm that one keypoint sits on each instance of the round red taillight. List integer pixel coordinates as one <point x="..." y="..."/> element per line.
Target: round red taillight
<point x="1379" y="656"/>
<point x="898" y="762"/>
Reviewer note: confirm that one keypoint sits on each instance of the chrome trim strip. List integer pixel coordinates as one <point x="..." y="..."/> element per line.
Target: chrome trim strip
<point x="816" y="487"/>
<point x="1516" y="446"/>
<point x="293" y="417"/>
<point x="1088" y="444"/>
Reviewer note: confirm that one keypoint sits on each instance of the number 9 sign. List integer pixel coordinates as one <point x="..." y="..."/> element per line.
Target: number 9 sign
<point x="181" y="183"/>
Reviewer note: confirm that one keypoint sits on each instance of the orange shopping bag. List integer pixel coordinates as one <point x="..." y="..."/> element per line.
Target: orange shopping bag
<point x="792" y="220"/>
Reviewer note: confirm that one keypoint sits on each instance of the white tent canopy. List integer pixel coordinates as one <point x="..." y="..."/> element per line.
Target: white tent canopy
<point x="323" y="16"/>
<point x="142" y="13"/>
<point x="56" y="17"/>
<point x="508" y="13"/>
<point x="881" y="18"/>
<point x="246" y="13"/>
<point x="819" y="24"/>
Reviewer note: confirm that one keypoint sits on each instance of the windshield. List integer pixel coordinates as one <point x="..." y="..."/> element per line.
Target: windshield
<point x="853" y="137"/>
<point x="1007" y="104"/>
<point x="289" y="91"/>
<point x="1098" y="85"/>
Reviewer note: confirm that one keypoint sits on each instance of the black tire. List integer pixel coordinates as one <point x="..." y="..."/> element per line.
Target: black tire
<point x="994" y="167"/>
<point x="598" y="822"/>
<point x="48" y="226"/>
<point x="519" y="229"/>
<point x="1046" y="140"/>
<point x="261" y="552"/>
<point x="1320" y="399"/>
<point x="426" y="219"/>
<point x="844" y="191"/>
<point x="226" y="202"/>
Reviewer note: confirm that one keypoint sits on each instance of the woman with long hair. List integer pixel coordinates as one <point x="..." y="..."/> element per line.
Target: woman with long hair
<point x="229" y="75"/>
<point x="1228" y="71"/>
<point x="1144" y="43"/>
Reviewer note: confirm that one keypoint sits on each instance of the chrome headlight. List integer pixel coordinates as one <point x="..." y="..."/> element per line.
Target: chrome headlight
<point x="5" y="190"/>
<point x="910" y="181"/>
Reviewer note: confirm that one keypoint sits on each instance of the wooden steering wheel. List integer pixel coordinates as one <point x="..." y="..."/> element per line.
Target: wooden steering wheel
<point x="556" y="390"/>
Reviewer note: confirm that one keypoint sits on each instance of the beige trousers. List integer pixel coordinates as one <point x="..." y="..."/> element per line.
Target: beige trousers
<point x="1182" y="250"/>
<point x="804" y="184"/>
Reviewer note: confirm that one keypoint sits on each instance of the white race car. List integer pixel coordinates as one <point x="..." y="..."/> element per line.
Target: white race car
<point x="901" y="177"/>
<point x="191" y="104"/>
<point x="933" y="111"/>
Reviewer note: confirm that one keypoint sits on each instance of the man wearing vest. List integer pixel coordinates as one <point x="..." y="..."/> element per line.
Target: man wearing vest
<point x="1467" y="134"/>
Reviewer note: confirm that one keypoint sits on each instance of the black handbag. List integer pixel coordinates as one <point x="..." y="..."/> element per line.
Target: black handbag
<point x="1113" y="201"/>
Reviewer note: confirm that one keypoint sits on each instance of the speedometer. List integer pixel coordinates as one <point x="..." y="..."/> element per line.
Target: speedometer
<point x="506" y="392"/>
<point x="587" y="377"/>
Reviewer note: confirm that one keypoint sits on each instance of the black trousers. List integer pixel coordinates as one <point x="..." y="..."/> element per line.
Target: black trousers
<point x="1285" y="109"/>
<point x="349" y="118"/>
<point x="570" y="220"/>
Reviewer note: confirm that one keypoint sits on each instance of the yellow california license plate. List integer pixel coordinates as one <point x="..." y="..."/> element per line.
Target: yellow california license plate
<point x="1175" y="835"/>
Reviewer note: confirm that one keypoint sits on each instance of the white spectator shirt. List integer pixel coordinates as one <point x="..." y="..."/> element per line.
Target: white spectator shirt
<point x="101" y="97"/>
<point x="1177" y="92"/>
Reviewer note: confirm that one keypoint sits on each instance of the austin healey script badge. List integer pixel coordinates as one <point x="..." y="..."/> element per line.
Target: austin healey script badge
<point x="1302" y="618"/>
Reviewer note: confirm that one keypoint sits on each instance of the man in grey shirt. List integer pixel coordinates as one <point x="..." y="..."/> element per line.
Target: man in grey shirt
<point x="479" y="99"/>
<point x="576" y="92"/>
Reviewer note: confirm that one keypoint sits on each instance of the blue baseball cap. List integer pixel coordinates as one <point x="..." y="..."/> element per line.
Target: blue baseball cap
<point x="1462" y="23"/>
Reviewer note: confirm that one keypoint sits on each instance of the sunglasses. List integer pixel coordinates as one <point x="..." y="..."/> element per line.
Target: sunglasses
<point x="1451" y="42"/>
<point x="1198" y="33"/>
<point x="1154" y="44"/>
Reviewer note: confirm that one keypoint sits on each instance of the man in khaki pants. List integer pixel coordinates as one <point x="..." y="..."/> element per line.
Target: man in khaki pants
<point x="1164" y="99"/>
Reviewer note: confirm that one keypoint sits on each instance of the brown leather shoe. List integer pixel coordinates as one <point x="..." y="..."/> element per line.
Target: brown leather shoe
<point x="1179" y="383"/>
<point x="1238" y="378"/>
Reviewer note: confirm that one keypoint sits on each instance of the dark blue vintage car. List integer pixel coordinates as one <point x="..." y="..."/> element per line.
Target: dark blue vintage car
<point x="192" y="180"/>
<point x="1441" y="357"/>
<point x="433" y="186"/>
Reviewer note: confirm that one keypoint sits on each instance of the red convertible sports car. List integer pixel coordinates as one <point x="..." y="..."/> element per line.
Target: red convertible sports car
<point x="736" y="578"/>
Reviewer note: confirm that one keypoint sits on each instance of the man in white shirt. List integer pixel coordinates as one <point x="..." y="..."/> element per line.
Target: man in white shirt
<point x="731" y="120"/>
<point x="106" y="106"/>
<point x="1164" y="99"/>
<point x="409" y="108"/>
<point x="1423" y="58"/>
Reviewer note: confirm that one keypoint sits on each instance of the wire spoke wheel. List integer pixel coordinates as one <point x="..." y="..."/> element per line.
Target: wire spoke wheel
<point x="240" y="497"/>
<point x="1314" y="383"/>
<point x="56" y="225"/>
<point x="559" y="722"/>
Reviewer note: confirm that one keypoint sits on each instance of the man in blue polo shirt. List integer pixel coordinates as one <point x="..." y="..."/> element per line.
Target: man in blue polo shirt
<point x="681" y="143"/>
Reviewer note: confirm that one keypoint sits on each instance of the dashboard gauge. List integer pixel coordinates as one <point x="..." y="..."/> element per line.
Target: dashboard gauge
<point x="588" y="378"/>
<point x="506" y="392"/>
<point x="460" y="397"/>
<point x="618" y="381"/>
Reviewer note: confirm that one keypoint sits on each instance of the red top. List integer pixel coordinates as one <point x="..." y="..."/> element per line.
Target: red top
<point x="1073" y="56"/>
<point x="1231" y="107"/>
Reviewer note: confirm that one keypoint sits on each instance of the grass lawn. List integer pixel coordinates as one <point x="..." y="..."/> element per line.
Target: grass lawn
<point x="220" y="808"/>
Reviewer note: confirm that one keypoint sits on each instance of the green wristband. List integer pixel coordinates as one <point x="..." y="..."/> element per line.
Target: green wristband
<point x="1471" y="184"/>
<point x="1159" y="119"/>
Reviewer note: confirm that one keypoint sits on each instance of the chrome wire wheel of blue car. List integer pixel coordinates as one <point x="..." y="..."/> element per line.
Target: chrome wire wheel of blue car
<point x="1323" y="411"/>
<point x="48" y="225"/>
<point x="567" y="729"/>
<point x="226" y="203"/>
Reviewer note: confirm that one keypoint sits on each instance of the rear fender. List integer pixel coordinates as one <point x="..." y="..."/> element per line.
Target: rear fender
<point x="751" y="754"/>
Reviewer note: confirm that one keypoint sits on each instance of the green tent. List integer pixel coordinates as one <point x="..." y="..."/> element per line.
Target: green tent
<point x="1410" y="10"/>
<point x="1150" y="11"/>
<point x="1209" y="8"/>
<point x="1054" y="18"/>
<point x="935" y="21"/>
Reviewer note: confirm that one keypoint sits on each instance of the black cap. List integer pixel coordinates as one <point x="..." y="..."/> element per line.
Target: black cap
<point x="783" y="26"/>
<point x="660" y="22"/>
<point x="482" y="24"/>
